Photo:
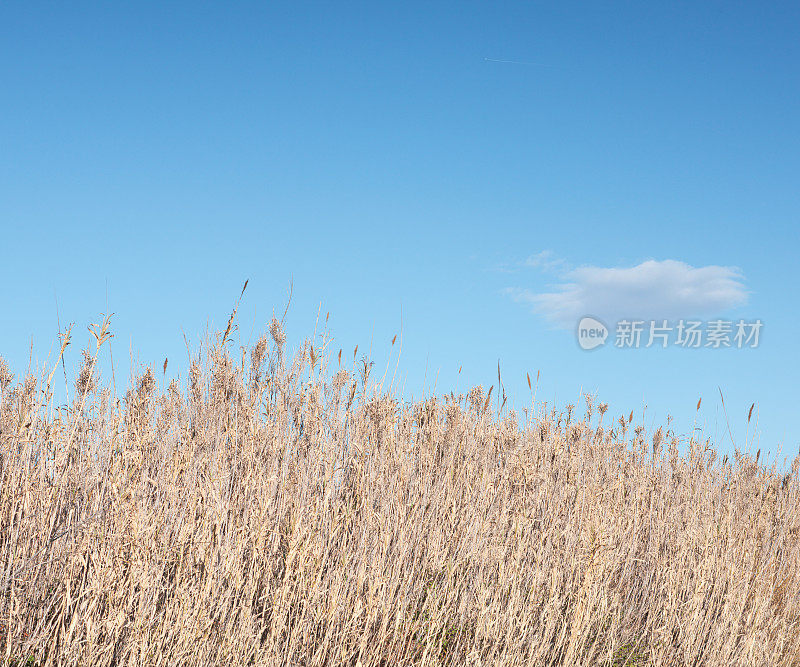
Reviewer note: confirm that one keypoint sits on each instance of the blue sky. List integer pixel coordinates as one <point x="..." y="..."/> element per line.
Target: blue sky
<point x="153" y="156"/>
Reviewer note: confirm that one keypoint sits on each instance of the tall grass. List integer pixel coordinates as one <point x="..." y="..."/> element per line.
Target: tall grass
<point x="281" y="510"/>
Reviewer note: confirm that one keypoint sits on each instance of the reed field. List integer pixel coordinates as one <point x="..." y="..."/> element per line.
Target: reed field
<point x="277" y="508"/>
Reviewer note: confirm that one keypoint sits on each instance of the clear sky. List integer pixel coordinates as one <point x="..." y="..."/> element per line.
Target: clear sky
<point x="494" y="170"/>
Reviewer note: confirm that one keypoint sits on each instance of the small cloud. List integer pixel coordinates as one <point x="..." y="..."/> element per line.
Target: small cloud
<point x="654" y="290"/>
<point x="545" y="261"/>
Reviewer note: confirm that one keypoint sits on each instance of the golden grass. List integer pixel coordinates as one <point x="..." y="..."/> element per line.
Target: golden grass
<point x="289" y="511"/>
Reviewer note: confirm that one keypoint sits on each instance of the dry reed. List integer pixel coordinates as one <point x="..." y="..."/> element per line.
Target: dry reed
<point x="275" y="511"/>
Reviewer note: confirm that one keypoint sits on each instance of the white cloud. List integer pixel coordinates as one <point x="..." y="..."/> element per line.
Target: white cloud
<point x="656" y="290"/>
<point x="545" y="260"/>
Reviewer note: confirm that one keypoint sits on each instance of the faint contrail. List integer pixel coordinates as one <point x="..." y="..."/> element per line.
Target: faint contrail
<point x="513" y="62"/>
